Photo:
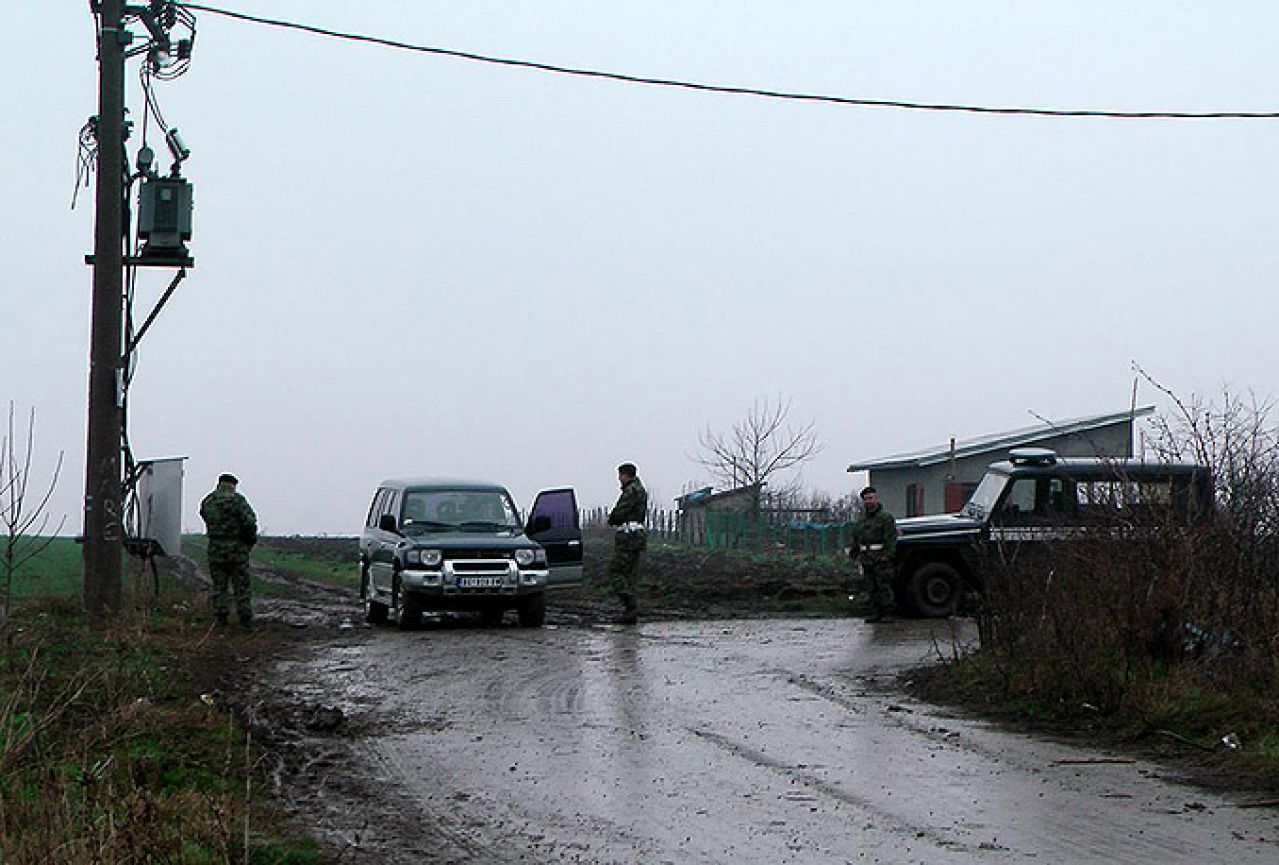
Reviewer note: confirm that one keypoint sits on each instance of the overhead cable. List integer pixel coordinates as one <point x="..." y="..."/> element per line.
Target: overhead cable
<point x="736" y="91"/>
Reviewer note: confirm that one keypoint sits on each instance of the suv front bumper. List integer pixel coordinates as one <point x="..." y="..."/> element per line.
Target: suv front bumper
<point x="475" y="578"/>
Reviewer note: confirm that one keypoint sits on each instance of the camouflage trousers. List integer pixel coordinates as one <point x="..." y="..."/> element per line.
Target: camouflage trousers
<point x="621" y="571"/>
<point x="231" y="572"/>
<point x="879" y="579"/>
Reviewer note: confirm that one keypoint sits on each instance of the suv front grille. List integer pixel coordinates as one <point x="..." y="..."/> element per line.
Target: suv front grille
<point x="454" y="555"/>
<point x="479" y="567"/>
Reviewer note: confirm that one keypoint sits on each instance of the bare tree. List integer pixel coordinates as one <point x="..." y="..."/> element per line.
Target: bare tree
<point x="23" y="524"/>
<point x="758" y="448"/>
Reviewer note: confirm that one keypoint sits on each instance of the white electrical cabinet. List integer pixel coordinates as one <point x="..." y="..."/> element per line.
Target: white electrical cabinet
<point x="159" y="501"/>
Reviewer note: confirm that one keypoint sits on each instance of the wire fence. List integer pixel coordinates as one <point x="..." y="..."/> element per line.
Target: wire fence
<point x="660" y="523"/>
<point x="797" y="531"/>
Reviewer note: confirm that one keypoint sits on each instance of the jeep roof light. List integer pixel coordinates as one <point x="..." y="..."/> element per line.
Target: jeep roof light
<point x="1032" y="457"/>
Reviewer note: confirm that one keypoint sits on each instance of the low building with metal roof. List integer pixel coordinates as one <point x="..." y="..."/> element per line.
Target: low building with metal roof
<point x="939" y="479"/>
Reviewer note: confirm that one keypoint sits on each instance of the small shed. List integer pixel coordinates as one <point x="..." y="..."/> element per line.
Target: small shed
<point x="694" y="506"/>
<point x="940" y="479"/>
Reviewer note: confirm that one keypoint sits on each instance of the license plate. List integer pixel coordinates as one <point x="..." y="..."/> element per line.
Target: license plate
<point x="479" y="582"/>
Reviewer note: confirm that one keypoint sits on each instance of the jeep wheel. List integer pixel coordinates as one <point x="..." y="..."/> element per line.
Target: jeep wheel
<point x="532" y="611"/>
<point x="933" y="590"/>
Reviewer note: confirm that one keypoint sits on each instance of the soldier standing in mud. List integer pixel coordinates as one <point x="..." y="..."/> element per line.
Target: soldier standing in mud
<point x="629" y="539"/>
<point x="874" y="543"/>
<point x="232" y="528"/>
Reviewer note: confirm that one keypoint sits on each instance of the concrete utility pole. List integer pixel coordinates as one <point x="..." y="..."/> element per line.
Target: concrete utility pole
<point x="103" y="487"/>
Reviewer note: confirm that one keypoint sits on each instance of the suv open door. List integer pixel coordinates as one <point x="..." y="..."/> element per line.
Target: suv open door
<point x="554" y="523"/>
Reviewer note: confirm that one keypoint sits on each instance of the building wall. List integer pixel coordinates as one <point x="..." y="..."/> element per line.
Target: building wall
<point x="892" y="484"/>
<point x="692" y="517"/>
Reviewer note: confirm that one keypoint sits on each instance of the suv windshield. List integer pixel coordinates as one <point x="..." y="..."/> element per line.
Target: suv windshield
<point x="458" y="510"/>
<point x="985" y="496"/>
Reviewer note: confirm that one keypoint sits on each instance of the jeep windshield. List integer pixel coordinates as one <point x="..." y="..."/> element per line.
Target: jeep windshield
<point x="480" y="511"/>
<point x="983" y="499"/>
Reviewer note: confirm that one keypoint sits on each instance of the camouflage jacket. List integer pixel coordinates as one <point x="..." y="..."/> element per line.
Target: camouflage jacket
<point x="632" y="504"/>
<point x="876" y="528"/>
<point x="228" y="517"/>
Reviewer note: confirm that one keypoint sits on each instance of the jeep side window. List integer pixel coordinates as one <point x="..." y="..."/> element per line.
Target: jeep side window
<point x="1054" y="503"/>
<point x="983" y="498"/>
<point x="1019" y="503"/>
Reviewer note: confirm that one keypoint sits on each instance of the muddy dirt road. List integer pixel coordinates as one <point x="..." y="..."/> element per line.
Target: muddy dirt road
<point x="748" y="741"/>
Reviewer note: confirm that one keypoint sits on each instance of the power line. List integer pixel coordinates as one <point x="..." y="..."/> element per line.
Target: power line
<point x="735" y="91"/>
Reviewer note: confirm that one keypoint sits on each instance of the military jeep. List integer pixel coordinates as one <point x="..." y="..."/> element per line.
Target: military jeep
<point x="1034" y="499"/>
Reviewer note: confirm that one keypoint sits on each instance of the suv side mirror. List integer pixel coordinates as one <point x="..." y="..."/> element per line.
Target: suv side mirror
<point x="537" y="525"/>
<point x="386" y="523"/>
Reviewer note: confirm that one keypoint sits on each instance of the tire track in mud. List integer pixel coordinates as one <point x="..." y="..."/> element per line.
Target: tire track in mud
<point x="795" y="774"/>
<point x="448" y="840"/>
<point x="1101" y="834"/>
<point x="510" y="829"/>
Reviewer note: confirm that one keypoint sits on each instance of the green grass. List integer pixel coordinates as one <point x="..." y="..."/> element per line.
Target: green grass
<point x="127" y="739"/>
<point x="134" y="761"/>
<point x="306" y="567"/>
<point x="1192" y="709"/>
<point x="1179" y="705"/>
<point x="58" y="569"/>
<point x="320" y="567"/>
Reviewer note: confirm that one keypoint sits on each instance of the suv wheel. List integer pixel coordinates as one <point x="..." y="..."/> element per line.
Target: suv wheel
<point x="933" y="590"/>
<point x="532" y="611"/>
<point x="374" y="611"/>
<point x="408" y="605"/>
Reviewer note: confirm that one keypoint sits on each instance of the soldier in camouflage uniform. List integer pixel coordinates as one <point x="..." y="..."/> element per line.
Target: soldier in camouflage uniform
<point x="232" y="528"/>
<point x="874" y="543"/>
<point x="629" y="540"/>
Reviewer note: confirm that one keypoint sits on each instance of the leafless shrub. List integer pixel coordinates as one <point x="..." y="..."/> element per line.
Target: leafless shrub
<point x="24" y="520"/>
<point x="1236" y="607"/>
<point x="759" y="448"/>
<point x="1143" y="594"/>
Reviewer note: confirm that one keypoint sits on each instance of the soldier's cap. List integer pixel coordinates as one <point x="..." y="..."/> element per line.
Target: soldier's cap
<point x="228" y="478"/>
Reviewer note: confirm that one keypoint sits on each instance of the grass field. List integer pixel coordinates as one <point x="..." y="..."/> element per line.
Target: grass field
<point x="58" y="570"/>
<point x="114" y="746"/>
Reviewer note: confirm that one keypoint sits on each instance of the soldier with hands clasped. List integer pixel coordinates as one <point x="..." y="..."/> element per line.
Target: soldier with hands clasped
<point x="232" y="528"/>
<point x="629" y="539"/>
<point x="874" y="543"/>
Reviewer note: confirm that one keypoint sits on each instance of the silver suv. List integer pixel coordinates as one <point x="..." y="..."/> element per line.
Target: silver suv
<point x="436" y="544"/>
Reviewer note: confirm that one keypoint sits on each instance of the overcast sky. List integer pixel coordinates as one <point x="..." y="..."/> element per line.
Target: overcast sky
<point x="411" y="265"/>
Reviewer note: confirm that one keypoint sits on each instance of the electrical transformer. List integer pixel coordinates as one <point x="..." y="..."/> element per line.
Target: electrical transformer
<point x="164" y="219"/>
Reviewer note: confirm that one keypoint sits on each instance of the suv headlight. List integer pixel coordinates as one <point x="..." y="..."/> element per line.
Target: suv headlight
<point x="429" y="558"/>
<point x="524" y="558"/>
